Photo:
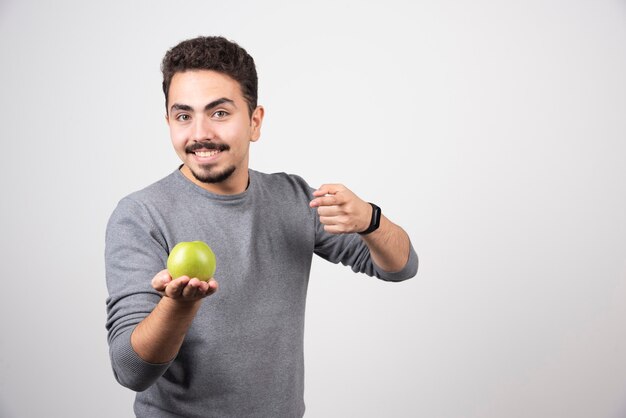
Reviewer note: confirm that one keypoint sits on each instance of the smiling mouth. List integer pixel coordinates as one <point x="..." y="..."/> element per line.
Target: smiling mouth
<point x="207" y="153"/>
<point x="205" y="150"/>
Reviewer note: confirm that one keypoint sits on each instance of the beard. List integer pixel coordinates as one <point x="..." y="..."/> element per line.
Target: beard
<point x="206" y="175"/>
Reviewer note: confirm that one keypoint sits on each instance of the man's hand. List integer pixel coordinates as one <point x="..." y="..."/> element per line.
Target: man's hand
<point x="340" y="210"/>
<point x="158" y="337"/>
<point x="184" y="288"/>
<point x="343" y="212"/>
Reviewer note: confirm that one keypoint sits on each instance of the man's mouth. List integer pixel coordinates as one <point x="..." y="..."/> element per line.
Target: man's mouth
<point x="206" y="153"/>
<point x="205" y="150"/>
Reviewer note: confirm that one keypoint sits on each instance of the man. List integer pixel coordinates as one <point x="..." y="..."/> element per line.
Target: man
<point x="191" y="348"/>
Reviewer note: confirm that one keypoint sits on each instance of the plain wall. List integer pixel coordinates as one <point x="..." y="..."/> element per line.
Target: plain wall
<point x="494" y="132"/>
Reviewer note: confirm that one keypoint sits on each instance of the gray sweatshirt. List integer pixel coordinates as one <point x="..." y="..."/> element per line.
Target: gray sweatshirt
<point x="243" y="354"/>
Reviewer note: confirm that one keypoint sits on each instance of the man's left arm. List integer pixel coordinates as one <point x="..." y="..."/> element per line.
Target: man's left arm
<point x="343" y="212"/>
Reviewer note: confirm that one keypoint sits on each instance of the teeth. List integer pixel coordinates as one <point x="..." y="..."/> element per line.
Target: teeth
<point x="206" y="153"/>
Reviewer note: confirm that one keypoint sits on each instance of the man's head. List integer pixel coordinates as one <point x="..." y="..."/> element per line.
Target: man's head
<point x="212" y="53"/>
<point x="210" y="87"/>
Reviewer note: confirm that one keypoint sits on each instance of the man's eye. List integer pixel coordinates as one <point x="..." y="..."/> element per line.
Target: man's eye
<point x="183" y="117"/>
<point x="220" y="114"/>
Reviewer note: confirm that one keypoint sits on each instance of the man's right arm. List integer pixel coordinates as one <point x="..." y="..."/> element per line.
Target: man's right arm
<point x="159" y="336"/>
<point x="146" y="322"/>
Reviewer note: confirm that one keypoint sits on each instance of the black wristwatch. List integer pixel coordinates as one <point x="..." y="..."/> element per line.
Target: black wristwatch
<point x="375" y="222"/>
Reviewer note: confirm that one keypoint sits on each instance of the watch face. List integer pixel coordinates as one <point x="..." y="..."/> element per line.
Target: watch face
<point x="376" y="215"/>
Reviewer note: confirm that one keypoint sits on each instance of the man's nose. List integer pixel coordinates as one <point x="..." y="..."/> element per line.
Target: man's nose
<point x="203" y="130"/>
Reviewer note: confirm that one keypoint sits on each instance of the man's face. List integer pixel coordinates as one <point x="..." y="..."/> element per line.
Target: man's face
<point x="211" y="129"/>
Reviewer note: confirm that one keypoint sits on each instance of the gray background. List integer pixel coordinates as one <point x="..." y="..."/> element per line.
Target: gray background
<point x="493" y="131"/>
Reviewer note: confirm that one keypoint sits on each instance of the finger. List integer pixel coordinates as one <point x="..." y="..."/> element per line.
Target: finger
<point x="326" y="200"/>
<point x="329" y="211"/>
<point x="160" y="280"/>
<point x="212" y="287"/>
<point x="338" y="219"/>
<point x="175" y="288"/>
<point x="328" y="222"/>
<point x="341" y="223"/>
<point x="324" y="190"/>
<point x="193" y="289"/>
<point x="321" y="191"/>
<point x="197" y="289"/>
<point x="328" y="189"/>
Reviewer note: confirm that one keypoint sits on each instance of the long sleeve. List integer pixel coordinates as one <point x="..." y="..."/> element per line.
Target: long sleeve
<point x="134" y="253"/>
<point x="350" y="250"/>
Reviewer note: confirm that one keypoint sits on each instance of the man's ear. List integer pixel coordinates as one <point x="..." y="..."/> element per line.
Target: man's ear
<point x="255" y="123"/>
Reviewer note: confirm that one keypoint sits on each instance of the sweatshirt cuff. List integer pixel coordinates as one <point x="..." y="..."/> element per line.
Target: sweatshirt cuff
<point x="131" y="370"/>
<point x="409" y="270"/>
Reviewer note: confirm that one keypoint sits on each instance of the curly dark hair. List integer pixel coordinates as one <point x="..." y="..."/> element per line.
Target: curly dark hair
<point x="212" y="53"/>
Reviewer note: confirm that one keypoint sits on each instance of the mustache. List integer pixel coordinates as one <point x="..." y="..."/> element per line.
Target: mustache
<point x="196" y="146"/>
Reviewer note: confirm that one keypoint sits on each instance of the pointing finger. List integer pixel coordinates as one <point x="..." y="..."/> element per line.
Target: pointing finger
<point x="327" y="200"/>
<point x="328" y="189"/>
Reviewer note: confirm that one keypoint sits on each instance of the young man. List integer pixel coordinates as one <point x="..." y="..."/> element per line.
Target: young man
<point x="189" y="348"/>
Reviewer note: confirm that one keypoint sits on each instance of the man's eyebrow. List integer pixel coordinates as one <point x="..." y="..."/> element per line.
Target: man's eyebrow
<point x="209" y="106"/>
<point x="184" y="107"/>
<point x="219" y="102"/>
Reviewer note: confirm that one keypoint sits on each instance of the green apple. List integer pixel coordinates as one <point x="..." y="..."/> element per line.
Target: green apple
<point x="193" y="259"/>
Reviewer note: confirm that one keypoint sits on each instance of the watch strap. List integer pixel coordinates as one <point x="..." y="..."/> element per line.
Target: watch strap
<point x="375" y="222"/>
